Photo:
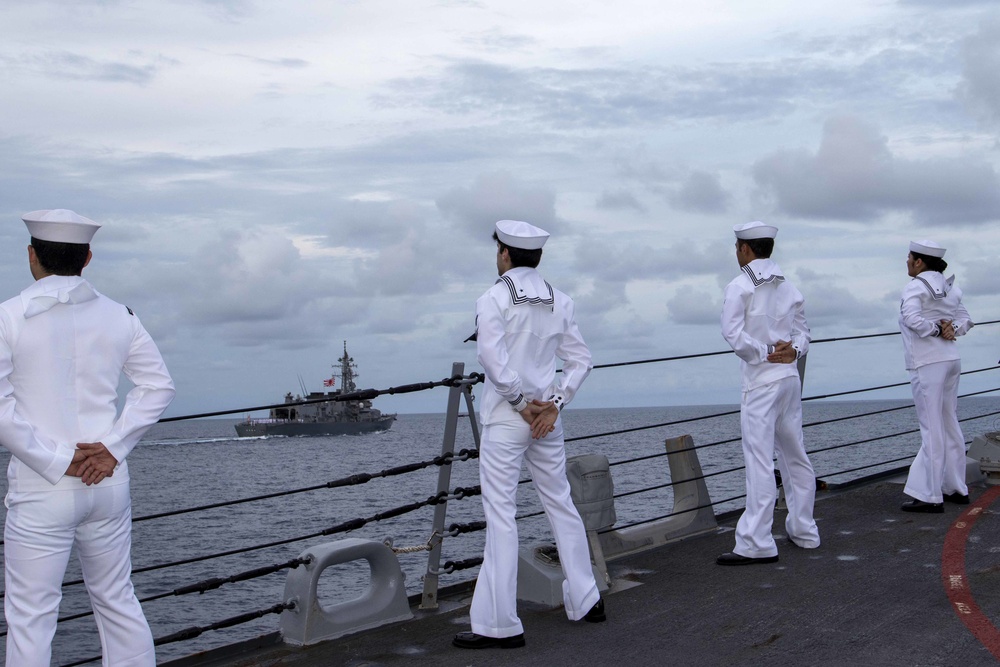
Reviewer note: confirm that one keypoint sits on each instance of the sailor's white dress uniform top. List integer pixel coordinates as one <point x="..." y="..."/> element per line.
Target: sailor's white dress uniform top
<point x="523" y="326"/>
<point x="762" y="308"/>
<point x="927" y="299"/>
<point x="63" y="347"/>
<point x="935" y="368"/>
<point x="63" y="387"/>
<point x="518" y="346"/>
<point x="752" y="316"/>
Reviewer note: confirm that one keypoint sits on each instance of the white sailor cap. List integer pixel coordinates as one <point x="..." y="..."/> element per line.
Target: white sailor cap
<point x="60" y="225"/>
<point x="523" y="235"/>
<point x="926" y="247"/>
<point x="755" y="230"/>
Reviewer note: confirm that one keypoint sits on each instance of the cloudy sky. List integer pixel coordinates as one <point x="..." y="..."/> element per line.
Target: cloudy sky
<point x="278" y="177"/>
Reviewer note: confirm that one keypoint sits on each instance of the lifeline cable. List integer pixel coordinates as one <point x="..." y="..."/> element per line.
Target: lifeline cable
<point x="736" y="412"/>
<point x="458" y="493"/>
<point x="356" y="478"/>
<point x="737" y="469"/>
<point x="360" y="395"/>
<point x="191" y="633"/>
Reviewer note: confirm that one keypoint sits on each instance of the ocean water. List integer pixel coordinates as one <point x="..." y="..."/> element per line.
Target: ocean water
<point x="187" y="464"/>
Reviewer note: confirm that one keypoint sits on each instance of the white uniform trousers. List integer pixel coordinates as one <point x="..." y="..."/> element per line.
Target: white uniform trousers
<point x="771" y="422"/>
<point x="494" y="603"/>
<point x="940" y="464"/>
<point x="42" y="527"/>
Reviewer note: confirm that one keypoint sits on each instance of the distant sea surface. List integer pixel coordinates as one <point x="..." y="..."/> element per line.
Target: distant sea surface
<point x="186" y="464"/>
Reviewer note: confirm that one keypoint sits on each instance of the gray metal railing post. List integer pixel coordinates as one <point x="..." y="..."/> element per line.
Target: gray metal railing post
<point x="469" y="398"/>
<point x="429" y="598"/>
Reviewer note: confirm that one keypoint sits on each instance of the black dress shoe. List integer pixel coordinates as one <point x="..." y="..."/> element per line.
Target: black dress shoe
<point x="736" y="559"/>
<point x="472" y="640"/>
<point x="596" y="613"/>
<point x="956" y="498"/>
<point x="921" y="506"/>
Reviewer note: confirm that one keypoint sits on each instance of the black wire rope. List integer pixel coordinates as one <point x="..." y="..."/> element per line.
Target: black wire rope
<point x="690" y="509"/>
<point x="736" y="412"/>
<point x="807" y="425"/>
<point x="476" y="378"/>
<point x="458" y="493"/>
<point x="191" y="633"/>
<point x="743" y="467"/>
<point x="361" y="395"/>
<point x="350" y="480"/>
<point x="817" y="423"/>
<point x="204" y="586"/>
<point x="722" y="352"/>
<point x="901" y="433"/>
<point x="871" y="465"/>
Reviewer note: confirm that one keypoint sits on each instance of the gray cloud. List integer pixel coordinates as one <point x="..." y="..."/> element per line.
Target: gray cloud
<point x="883" y="68"/>
<point x="980" y="86"/>
<point x="284" y="63"/>
<point x="617" y="200"/>
<point x="621" y="261"/>
<point x="701" y="192"/>
<point x="694" y="306"/>
<point x="254" y="277"/>
<point x="831" y="306"/>
<point x="499" y="41"/>
<point x="205" y="244"/>
<point x="854" y="176"/>
<point x="79" y="67"/>
<point x="979" y="279"/>
<point x="644" y="170"/>
<point x="595" y="97"/>
<point x="499" y="196"/>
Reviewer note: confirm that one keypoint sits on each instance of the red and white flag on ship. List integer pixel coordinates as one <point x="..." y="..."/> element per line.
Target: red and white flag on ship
<point x="328" y="383"/>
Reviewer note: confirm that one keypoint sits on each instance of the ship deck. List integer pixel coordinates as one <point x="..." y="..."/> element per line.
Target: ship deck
<point x="885" y="588"/>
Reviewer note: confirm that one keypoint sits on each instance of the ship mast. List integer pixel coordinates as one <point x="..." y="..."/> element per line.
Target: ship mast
<point x="348" y="371"/>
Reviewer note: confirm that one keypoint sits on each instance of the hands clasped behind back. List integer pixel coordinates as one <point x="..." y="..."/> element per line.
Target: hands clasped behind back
<point x="92" y="462"/>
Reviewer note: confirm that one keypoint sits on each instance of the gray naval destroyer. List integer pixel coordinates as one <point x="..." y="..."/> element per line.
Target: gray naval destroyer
<point x="334" y="416"/>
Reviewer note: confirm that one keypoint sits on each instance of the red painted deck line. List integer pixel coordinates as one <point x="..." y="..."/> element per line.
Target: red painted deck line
<point x="956" y="583"/>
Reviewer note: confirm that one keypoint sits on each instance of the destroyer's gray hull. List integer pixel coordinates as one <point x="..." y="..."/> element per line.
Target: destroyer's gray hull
<point x="258" y="429"/>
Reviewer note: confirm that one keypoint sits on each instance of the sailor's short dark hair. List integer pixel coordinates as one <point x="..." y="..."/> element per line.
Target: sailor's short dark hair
<point x="61" y="259"/>
<point x="933" y="263"/>
<point x="762" y="248"/>
<point x="520" y="256"/>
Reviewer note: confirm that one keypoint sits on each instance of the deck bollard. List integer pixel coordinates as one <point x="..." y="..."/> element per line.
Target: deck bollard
<point x="692" y="512"/>
<point x="593" y="492"/>
<point x="312" y="621"/>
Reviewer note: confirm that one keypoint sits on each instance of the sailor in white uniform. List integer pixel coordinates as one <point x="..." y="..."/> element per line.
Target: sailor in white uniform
<point x="63" y="348"/>
<point x="522" y="326"/>
<point x="763" y="320"/>
<point x="931" y="316"/>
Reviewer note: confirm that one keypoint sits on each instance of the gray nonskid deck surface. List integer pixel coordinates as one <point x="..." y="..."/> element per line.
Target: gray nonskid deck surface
<point x="872" y="594"/>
